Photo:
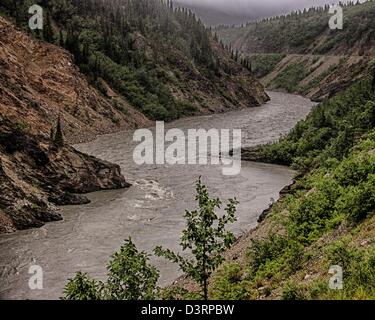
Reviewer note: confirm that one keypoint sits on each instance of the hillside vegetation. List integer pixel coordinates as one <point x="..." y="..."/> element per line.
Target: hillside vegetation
<point x="97" y="67"/>
<point x="326" y="219"/>
<point x="39" y="83"/>
<point x="161" y="60"/>
<point x="307" y="31"/>
<point x="300" y="47"/>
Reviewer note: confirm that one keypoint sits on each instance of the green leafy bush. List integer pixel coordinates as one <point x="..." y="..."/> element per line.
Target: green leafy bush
<point x="264" y="64"/>
<point x="130" y="277"/>
<point x="229" y="284"/>
<point x="290" y="77"/>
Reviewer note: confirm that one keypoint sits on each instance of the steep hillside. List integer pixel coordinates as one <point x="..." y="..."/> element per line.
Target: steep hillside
<point x="161" y="60"/>
<point x="299" y="53"/>
<point x="39" y="82"/>
<point x="326" y="218"/>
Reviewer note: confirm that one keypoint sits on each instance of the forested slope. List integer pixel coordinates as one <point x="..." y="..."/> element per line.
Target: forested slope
<point x="300" y="53"/>
<point x="160" y="59"/>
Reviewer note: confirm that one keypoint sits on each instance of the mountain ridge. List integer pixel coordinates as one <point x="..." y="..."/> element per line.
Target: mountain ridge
<point x="299" y="53"/>
<point x="160" y="60"/>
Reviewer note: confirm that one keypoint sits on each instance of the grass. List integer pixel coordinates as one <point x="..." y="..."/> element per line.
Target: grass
<point x="328" y="217"/>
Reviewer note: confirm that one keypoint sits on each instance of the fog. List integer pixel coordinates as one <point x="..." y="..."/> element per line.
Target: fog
<point x="252" y="9"/>
<point x="250" y="6"/>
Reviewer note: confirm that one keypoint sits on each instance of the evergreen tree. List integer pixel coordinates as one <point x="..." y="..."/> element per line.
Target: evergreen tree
<point x="59" y="136"/>
<point x="52" y="134"/>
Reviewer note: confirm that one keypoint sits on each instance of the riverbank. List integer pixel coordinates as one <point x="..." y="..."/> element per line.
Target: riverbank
<point x="36" y="175"/>
<point x="151" y="211"/>
<point x="238" y="253"/>
<point x="326" y="221"/>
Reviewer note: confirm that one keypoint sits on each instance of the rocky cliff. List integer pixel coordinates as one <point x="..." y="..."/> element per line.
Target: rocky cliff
<point x="39" y="82"/>
<point x="36" y="176"/>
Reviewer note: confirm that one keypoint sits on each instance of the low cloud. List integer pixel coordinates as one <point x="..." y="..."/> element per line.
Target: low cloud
<point x="255" y="7"/>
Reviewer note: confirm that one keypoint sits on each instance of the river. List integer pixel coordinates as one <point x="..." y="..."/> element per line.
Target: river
<point x="151" y="211"/>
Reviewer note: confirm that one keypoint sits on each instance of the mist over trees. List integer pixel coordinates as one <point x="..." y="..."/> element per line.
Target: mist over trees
<point x="129" y="44"/>
<point x="215" y="12"/>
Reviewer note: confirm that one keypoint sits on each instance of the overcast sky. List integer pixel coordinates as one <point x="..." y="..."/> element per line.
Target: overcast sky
<point x="256" y="7"/>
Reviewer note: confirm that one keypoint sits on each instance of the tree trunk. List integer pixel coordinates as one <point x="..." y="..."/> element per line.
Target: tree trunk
<point x="205" y="288"/>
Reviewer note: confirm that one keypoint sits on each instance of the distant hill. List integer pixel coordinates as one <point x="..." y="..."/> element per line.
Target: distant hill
<point x="214" y="17"/>
<point x="299" y="53"/>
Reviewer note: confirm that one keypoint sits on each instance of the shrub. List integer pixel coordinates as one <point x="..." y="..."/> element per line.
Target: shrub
<point x="292" y="292"/>
<point x="82" y="287"/>
<point x="358" y="201"/>
<point x="264" y="251"/>
<point x="290" y="77"/>
<point x="130" y="277"/>
<point x="206" y="236"/>
<point x="229" y="285"/>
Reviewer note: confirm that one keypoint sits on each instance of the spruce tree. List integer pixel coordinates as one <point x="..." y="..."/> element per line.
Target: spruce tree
<point x="59" y="137"/>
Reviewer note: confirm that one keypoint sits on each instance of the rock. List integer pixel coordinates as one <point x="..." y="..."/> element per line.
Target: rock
<point x="264" y="214"/>
<point x="51" y="86"/>
<point x="35" y="176"/>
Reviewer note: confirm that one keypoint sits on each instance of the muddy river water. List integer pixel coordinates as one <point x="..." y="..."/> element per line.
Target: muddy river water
<point x="151" y="210"/>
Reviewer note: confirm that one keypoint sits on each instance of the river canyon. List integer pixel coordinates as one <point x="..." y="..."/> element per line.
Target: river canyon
<point x="151" y="211"/>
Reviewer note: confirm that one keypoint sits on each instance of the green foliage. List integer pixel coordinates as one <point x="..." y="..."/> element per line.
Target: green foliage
<point x="298" y="31"/>
<point x="130" y="277"/>
<point x="290" y="77"/>
<point x="330" y="131"/>
<point x="358" y="267"/>
<point x="132" y="45"/>
<point x="358" y="201"/>
<point x="205" y="236"/>
<point x="335" y="147"/>
<point x="264" y="64"/>
<point x="291" y="291"/>
<point x="272" y="256"/>
<point x="317" y="80"/>
<point x="358" y="276"/>
<point x="229" y="284"/>
<point x="48" y="33"/>
<point x="82" y="287"/>
<point x="263" y="251"/>
<point x="345" y="191"/>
